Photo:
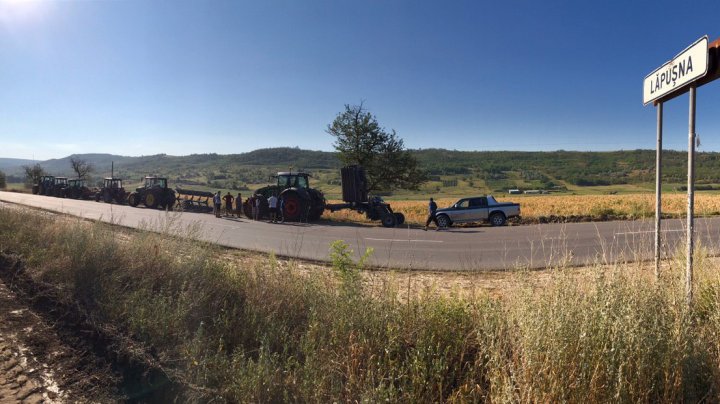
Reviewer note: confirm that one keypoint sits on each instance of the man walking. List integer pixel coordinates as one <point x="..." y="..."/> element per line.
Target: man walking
<point x="432" y="207"/>
<point x="272" y="204"/>
<point x="217" y="204"/>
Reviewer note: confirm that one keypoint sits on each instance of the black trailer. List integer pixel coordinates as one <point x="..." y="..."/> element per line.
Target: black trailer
<point x="355" y="196"/>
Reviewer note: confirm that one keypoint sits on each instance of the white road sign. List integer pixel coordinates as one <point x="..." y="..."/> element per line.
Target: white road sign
<point x="687" y="66"/>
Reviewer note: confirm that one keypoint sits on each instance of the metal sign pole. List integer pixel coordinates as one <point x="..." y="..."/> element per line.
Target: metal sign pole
<point x="658" y="190"/>
<point x="691" y="198"/>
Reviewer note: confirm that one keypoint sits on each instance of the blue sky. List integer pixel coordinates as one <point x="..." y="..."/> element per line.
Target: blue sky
<point x="180" y="77"/>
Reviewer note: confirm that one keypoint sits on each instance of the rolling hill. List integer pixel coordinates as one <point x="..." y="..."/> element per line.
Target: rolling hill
<point x="491" y="171"/>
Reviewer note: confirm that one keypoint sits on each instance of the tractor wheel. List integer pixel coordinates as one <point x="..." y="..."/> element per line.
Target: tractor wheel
<point x="315" y="214"/>
<point x="107" y="196"/>
<point x="170" y="201"/>
<point x="133" y="200"/>
<point x="35" y="189"/>
<point x="151" y="200"/>
<point x="294" y="207"/>
<point x="399" y="218"/>
<point x="167" y="204"/>
<point x="120" y="198"/>
<point x="388" y="220"/>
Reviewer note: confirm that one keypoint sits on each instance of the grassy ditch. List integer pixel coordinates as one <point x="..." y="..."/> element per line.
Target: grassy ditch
<point x="267" y="333"/>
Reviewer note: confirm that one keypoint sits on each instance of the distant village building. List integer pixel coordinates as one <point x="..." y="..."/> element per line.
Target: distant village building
<point x="513" y="191"/>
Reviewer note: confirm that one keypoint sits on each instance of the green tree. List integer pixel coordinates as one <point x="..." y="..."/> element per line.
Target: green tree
<point x="33" y="174"/>
<point x="3" y="183"/>
<point x="361" y="140"/>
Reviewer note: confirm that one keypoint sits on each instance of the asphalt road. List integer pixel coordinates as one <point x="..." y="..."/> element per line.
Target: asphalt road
<point x="463" y="249"/>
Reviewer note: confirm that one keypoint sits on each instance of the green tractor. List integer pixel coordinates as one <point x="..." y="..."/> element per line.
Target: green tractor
<point x="60" y="184"/>
<point x="112" y="190"/>
<point x="301" y="203"/>
<point x="153" y="194"/>
<point x="44" y="184"/>
<point x="77" y="189"/>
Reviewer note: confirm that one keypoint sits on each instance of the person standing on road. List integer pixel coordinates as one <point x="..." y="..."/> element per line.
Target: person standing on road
<point x="281" y="209"/>
<point x="238" y="205"/>
<point x="217" y="204"/>
<point x="251" y="202"/>
<point x="432" y="208"/>
<point x="272" y="204"/>
<point x="228" y="204"/>
<point x="258" y="202"/>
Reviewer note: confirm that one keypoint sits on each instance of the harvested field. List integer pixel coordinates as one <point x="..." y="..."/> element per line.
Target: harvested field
<point x="565" y="208"/>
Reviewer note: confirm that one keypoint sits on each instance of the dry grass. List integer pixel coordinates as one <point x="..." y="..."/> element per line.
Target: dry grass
<point x="244" y="329"/>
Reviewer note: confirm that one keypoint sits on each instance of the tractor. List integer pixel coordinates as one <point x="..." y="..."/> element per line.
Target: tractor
<point x="44" y="184"/>
<point x="301" y="203"/>
<point x="153" y="194"/>
<point x="77" y="189"/>
<point x="59" y="186"/>
<point x="112" y="190"/>
<point x="355" y="196"/>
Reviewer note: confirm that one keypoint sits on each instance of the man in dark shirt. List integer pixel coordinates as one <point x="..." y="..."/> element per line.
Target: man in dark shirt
<point x="432" y="207"/>
<point x="228" y="204"/>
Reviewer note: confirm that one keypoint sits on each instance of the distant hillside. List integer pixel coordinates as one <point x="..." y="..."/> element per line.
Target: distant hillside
<point x="12" y="165"/>
<point x="577" y="168"/>
<point x="492" y="171"/>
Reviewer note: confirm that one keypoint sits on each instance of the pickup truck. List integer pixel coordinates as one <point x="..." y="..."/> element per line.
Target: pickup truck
<point x="477" y="209"/>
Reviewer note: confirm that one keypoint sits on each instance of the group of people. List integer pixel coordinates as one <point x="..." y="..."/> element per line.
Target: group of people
<point x="275" y="206"/>
<point x="229" y="199"/>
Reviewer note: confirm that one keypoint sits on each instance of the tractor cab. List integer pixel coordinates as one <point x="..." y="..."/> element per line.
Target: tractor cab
<point x="44" y="185"/>
<point x="59" y="187"/>
<point x="292" y="180"/>
<point x="47" y="179"/>
<point x="152" y="182"/>
<point x="76" y="183"/>
<point x="112" y="183"/>
<point x="112" y="190"/>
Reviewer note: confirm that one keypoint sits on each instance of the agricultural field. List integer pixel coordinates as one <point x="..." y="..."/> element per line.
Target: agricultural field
<point x="561" y="208"/>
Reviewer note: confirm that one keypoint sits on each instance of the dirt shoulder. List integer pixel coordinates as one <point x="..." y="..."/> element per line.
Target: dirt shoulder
<point x="38" y="365"/>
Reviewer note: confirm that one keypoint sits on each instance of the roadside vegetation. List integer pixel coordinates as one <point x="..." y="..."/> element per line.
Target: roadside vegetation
<point x="264" y="332"/>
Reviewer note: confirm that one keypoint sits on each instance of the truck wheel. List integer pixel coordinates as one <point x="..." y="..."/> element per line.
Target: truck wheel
<point x="443" y="221"/>
<point x="133" y="200"/>
<point x="399" y="218"/>
<point x="388" y="220"/>
<point x="497" y="219"/>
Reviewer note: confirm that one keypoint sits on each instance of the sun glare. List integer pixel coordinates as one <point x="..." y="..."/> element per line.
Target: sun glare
<point x="20" y="10"/>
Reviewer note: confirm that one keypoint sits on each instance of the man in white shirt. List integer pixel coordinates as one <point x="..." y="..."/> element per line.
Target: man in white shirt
<point x="272" y="204"/>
